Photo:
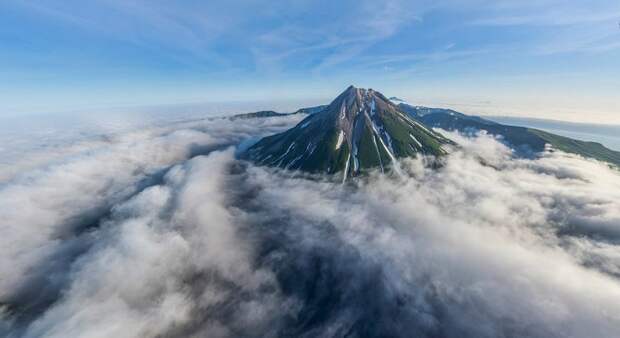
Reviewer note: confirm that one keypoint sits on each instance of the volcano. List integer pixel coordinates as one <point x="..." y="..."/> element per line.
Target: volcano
<point x="359" y="130"/>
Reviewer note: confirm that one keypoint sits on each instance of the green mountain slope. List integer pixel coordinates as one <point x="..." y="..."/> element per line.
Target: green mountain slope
<point x="524" y="140"/>
<point x="359" y="130"/>
<point x="584" y="148"/>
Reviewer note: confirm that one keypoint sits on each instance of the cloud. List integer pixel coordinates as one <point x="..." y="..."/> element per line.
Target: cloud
<point x="193" y="242"/>
<point x="167" y="256"/>
<point x="194" y="35"/>
<point x="470" y="244"/>
<point x="575" y="28"/>
<point x="50" y="215"/>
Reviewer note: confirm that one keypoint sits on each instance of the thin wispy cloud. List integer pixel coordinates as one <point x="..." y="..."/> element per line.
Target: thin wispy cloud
<point x="163" y="46"/>
<point x="553" y="18"/>
<point x="564" y="28"/>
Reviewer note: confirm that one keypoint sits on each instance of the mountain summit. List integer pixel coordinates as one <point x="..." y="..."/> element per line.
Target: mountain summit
<point x="359" y="130"/>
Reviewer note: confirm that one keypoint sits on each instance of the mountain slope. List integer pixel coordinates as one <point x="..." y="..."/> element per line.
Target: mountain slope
<point x="258" y="114"/>
<point x="524" y="140"/>
<point x="311" y="110"/>
<point x="584" y="148"/>
<point x="271" y="113"/>
<point x="359" y="130"/>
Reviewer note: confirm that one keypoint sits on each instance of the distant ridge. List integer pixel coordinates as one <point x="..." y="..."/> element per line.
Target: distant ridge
<point x="525" y="141"/>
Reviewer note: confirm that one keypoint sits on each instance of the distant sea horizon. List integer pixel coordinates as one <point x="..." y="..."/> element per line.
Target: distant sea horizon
<point x="606" y="134"/>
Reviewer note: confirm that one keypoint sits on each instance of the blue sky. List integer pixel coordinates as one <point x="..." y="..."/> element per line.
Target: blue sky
<point x="544" y="58"/>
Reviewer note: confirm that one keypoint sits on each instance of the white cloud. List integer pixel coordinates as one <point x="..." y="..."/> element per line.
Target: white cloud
<point x="486" y="246"/>
<point x="49" y="213"/>
<point x="168" y="253"/>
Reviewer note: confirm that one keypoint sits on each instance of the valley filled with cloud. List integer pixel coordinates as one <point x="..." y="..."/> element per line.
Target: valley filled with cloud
<point x="162" y="231"/>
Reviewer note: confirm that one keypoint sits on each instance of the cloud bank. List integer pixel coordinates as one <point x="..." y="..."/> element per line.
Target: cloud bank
<point x="164" y="233"/>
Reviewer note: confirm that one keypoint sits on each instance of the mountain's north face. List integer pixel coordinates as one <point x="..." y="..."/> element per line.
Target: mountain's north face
<point x="359" y="130"/>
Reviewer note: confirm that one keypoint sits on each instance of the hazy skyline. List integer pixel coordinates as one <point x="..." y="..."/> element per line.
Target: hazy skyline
<point x="549" y="59"/>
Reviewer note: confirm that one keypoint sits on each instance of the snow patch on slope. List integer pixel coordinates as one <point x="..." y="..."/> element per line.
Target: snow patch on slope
<point x="346" y="169"/>
<point x="416" y="141"/>
<point x="340" y="139"/>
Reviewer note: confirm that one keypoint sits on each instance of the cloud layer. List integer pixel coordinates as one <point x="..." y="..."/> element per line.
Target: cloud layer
<point x="163" y="232"/>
